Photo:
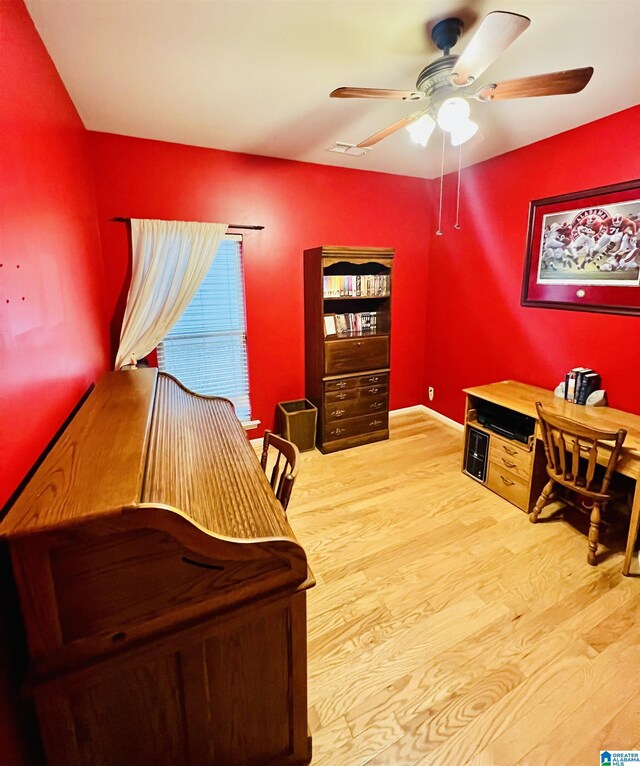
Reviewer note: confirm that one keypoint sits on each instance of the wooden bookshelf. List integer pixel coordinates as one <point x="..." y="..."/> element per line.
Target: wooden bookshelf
<point x="347" y="372"/>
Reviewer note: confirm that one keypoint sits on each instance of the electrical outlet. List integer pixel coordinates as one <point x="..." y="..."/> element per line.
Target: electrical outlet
<point x="431" y="393"/>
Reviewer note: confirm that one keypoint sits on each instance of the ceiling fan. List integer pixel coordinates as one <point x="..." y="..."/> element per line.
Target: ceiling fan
<point x="444" y="86"/>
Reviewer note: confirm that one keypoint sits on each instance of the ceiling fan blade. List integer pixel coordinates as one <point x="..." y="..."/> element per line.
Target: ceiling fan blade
<point x="552" y="84"/>
<point x="404" y="95"/>
<point x="390" y="129"/>
<point x="496" y="33"/>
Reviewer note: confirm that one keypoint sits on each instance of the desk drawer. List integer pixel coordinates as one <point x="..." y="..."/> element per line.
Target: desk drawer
<point x="509" y="485"/>
<point x="141" y="580"/>
<point x="515" y="460"/>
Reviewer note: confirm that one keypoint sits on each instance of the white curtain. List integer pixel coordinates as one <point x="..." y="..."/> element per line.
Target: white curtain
<point x="170" y="260"/>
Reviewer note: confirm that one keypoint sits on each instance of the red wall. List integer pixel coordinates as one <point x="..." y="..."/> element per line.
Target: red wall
<point x="476" y="330"/>
<point x="53" y="331"/>
<point x="53" y="327"/>
<point x="301" y="206"/>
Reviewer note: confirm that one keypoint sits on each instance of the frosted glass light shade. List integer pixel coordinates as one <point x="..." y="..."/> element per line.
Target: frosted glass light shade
<point x="452" y="113"/>
<point x="463" y="132"/>
<point x="421" y="130"/>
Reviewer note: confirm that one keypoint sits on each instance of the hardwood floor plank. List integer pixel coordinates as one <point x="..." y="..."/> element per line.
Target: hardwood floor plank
<point x="567" y="672"/>
<point x="336" y="691"/>
<point x="382" y="731"/>
<point x="613" y="628"/>
<point x="445" y="628"/>
<point x="452" y="714"/>
<point x="615" y="720"/>
<point x="594" y="679"/>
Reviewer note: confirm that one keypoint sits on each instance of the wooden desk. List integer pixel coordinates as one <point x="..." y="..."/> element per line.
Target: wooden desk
<point x="521" y="477"/>
<point x="162" y="589"/>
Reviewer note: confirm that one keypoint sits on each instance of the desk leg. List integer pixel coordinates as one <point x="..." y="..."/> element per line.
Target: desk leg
<point x="634" y="523"/>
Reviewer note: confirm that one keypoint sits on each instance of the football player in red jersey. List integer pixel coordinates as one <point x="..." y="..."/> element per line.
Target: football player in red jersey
<point x="554" y="250"/>
<point x="586" y="240"/>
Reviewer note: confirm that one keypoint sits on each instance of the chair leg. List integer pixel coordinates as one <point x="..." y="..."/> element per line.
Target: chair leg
<point x="594" y="533"/>
<point x="542" y="501"/>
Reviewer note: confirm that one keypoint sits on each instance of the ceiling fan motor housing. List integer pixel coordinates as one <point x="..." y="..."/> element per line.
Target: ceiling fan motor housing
<point x="434" y="80"/>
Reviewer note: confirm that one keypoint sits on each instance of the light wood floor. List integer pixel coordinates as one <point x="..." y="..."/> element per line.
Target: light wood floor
<point x="445" y="628"/>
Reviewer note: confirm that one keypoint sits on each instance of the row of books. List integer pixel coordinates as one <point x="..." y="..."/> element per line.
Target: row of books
<point x="356" y="286"/>
<point x="362" y="322"/>
<point x="579" y="383"/>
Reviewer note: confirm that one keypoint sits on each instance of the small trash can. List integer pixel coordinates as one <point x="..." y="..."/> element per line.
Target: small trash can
<point x="297" y="423"/>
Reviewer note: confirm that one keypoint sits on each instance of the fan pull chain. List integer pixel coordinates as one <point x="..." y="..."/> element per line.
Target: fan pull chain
<point x="457" y="224"/>
<point x="439" y="232"/>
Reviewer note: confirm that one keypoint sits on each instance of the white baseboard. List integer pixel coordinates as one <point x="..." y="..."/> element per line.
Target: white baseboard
<point x="431" y="413"/>
<point x="408" y="410"/>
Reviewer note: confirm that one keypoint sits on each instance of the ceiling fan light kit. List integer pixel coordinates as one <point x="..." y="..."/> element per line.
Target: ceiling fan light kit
<point x="421" y="129"/>
<point x="452" y="113"/>
<point x="463" y="132"/>
<point x="442" y="85"/>
<point x="452" y="118"/>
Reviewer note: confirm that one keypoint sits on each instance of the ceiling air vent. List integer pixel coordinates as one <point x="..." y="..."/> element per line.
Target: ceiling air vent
<point x="341" y="148"/>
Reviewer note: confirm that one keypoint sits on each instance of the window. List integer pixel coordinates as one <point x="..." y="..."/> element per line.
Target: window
<point x="207" y="348"/>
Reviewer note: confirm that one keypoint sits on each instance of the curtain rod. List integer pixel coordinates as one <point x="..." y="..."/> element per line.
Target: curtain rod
<point x="120" y="219"/>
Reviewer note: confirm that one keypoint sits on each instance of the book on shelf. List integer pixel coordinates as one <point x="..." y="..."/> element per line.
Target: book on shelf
<point x="362" y="322"/>
<point x="355" y="286"/>
<point x="341" y="324"/>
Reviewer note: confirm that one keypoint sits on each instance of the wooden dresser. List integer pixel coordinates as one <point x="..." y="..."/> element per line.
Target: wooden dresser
<point x="347" y="371"/>
<point x="162" y="589"/>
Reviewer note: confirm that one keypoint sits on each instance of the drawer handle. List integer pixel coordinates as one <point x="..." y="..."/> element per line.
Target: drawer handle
<point x="358" y="343"/>
<point x="374" y="390"/>
<point x="338" y="431"/>
<point x="202" y="564"/>
<point x="509" y="450"/>
<point x="341" y="396"/>
<point x="338" y="413"/>
<point x="376" y="423"/>
<point x="374" y="379"/>
<point x="507" y="481"/>
<point x="376" y="405"/>
<point x="342" y="384"/>
<point x="508" y="463"/>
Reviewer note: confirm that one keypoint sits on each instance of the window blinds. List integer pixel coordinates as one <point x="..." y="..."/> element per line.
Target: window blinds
<point x="207" y="347"/>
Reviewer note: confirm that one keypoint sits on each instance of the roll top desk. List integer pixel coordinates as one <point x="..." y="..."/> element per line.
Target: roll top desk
<point x="162" y="589"/>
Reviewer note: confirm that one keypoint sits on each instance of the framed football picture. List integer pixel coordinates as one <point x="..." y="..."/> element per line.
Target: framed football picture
<point x="583" y="251"/>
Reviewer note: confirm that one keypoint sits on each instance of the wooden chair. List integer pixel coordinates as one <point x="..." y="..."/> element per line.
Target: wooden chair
<point x="572" y="451"/>
<point x="281" y="479"/>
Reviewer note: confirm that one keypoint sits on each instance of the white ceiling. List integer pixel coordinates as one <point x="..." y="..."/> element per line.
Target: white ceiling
<point x="254" y="76"/>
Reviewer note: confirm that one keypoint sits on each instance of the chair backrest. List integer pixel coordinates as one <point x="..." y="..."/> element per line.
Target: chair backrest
<point x="572" y="451"/>
<point x="283" y="474"/>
